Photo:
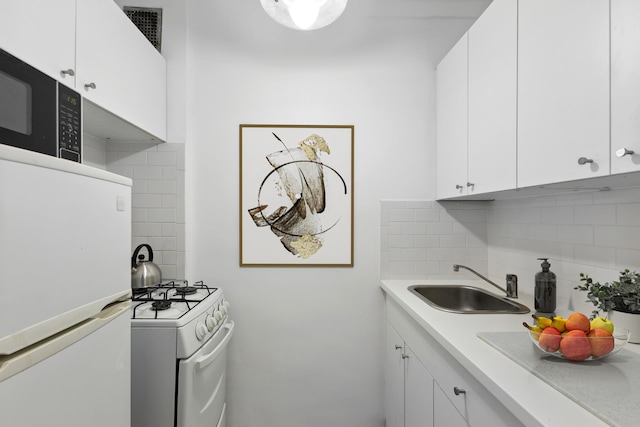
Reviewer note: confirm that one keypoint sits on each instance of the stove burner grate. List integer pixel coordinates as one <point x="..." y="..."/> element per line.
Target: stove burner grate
<point x="186" y="290"/>
<point x="161" y="305"/>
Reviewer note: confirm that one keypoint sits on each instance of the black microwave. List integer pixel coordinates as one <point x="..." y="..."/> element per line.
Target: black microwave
<point x="38" y="113"/>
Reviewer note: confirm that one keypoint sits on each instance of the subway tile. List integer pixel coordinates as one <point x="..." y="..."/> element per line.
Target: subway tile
<point x="401" y="215"/>
<point x="163" y="243"/>
<point x="440" y="228"/>
<point x="162" y="158"/>
<point x="596" y="256"/>
<point x="394" y="204"/>
<point x="129" y="158"/>
<point x="542" y="232"/>
<point x="453" y="241"/>
<point x="624" y="237"/>
<point x="427" y="241"/>
<point x="139" y="186"/>
<point x="628" y="258"/>
<point x="414" y="254"/>
<point x="146" y="200"/>
<point x="595" y="215"/>
<point x="428" y="215"/>
<point x="557" y="215"/>
<point x="395" y="228"/>
<point x="161" y="187"/>
<point x="401" y="270"/>
<point x="139" y="215"/>
<point x="426" y="268"/>
<point x="161" y="215"/>
<point x="414" y="228"/>
<point x="439" y="254"/>
<point x="628" y="214"/>
<point x="144" y="229"/>
<point x="147" y="172"/>
<point x="168" y="172"/>
<point x="401" y="241"/>
<point x="395" y="255"/>
<point x="169" y="201"/>
<point x="576" y="234"/>
<point x="169" y="229"/>
<point x="421" y="204"/>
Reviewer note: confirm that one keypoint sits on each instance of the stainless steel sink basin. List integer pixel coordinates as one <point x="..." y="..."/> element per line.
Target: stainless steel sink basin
<point x="466" y="299"/>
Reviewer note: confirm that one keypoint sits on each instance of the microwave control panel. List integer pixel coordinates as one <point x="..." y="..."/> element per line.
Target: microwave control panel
<point x="69" y="124"/>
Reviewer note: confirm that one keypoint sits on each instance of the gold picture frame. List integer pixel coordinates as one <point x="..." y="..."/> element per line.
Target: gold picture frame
<point x="296" y="195"/>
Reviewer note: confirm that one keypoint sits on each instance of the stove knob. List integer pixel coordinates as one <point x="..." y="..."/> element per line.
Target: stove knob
<point x="201" y="331"/>
<point x="223" y="309"/>
<point x="217" y="315"/>
<point x="227" y="305"/>
<point x="211" y="322"/>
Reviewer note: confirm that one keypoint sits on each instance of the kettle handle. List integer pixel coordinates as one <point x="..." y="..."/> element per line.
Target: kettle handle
<point x="135" y="254"/>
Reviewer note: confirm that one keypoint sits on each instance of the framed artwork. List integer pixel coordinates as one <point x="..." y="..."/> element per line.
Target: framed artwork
<point x="296" y="195"/>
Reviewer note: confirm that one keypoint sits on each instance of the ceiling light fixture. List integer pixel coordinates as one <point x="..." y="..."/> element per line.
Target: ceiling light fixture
<point x="304" y="15"/>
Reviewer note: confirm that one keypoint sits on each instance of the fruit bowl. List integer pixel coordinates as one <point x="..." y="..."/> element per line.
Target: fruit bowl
<point x="580" y="348"/>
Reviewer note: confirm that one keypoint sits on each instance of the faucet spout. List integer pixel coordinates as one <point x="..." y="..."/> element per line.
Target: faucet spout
<point x="511" y="291"/>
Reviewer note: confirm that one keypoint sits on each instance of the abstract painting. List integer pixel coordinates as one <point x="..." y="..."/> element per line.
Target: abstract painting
<point x="296" y="195"/>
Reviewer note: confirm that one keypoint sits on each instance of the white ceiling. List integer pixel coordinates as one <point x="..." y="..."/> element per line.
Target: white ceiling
<point x="424" y="8"/>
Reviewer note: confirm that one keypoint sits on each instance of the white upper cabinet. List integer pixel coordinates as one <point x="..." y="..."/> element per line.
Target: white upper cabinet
<point x="41" y="33"/>
<point x="118" y="69"/>
<point x="492" y="98"/>
<point x="451" y="88"/>
<point x="625" y="85"/>
<point x="563" y="90"/>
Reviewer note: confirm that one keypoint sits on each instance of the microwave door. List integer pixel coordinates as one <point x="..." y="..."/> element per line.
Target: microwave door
<point x="28" y="117"/>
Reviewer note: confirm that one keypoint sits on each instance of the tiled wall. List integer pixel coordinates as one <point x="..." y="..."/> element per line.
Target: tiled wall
<point x="597" y="233"/>
<point x="158" y="217"/>
<point x="423" y="239"/>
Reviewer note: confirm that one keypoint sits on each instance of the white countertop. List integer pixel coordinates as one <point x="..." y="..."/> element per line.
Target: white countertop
<point x="531" y="399"/>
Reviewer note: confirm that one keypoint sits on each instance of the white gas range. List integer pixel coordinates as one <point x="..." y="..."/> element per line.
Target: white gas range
<point x="179" y="335"/>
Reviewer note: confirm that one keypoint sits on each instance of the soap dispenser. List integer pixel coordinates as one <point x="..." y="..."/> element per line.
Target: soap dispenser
<point x="545" y="289"/>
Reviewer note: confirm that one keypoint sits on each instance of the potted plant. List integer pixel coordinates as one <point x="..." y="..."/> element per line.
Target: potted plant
<point x="619" y="300"/>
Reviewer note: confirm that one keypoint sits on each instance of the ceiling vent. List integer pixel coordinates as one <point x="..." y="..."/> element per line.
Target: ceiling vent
<point x="149" y="22"/>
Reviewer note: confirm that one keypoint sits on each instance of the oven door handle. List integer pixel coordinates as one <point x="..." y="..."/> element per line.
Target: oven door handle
<point x="205" y="360"/>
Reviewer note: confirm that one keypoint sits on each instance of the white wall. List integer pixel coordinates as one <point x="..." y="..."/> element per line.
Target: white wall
<point x="308" y="348"/>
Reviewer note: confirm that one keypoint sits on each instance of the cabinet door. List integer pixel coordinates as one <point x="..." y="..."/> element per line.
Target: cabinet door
<point x="445" y="414"/>
<point x="625" y="85"/>
<point x="492" y="98"/>
<point x="452" y="122"/>
<point x="418" y="392"/>
<point x="128" y="73"/>
<point x="42" y="33"/>
<point x="394" y="379"/>
<point x="563" y="90"/>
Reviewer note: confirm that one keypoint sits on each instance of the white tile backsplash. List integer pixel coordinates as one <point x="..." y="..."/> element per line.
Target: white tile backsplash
<point x="157" y="171"/>
<point x="597" y="233"/>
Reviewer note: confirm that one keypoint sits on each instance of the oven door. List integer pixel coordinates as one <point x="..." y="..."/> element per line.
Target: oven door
<point x="202" y="383"/>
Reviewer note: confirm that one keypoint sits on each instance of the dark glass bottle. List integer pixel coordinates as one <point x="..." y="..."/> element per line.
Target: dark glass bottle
<point x="545" y="289"/>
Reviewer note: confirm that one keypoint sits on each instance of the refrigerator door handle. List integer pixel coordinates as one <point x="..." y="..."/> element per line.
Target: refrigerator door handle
<point x="23" y="359"/>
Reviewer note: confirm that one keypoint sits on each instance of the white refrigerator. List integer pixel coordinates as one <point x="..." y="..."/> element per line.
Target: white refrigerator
<point x="65" y="286"/>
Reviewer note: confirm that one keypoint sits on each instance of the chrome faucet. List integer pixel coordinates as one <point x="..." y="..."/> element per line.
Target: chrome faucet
<point x="512" y="281"/>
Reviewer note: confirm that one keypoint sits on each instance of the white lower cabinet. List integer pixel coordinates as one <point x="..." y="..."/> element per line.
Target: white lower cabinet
<point x="445" y="414"/>
<point x="438" y="391"/>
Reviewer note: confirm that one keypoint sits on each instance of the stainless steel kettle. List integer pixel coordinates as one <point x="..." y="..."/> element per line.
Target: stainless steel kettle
<point x="144" y="273"/>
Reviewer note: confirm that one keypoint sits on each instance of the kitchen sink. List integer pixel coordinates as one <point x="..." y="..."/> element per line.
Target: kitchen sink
<point x="466" y="299"/>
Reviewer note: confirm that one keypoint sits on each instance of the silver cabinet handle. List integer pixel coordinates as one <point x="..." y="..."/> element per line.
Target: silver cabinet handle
<point x="470" y="184"/>
<point x="621" y="152"/>
<point x="584" y="160"/>
<point x="68" y="72"/>
<point x="458" y="391"/>
<point x="459" y="187"/>
<point x="90" y="85"/>
<point x="398" y="347"/>
<point x="405" y="356"/>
